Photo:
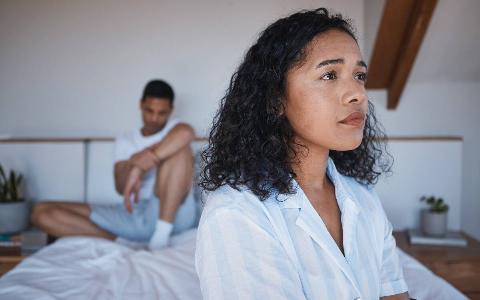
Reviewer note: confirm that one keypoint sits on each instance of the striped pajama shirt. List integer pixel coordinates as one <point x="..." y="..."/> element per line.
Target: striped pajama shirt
<point x="281" y="248"/>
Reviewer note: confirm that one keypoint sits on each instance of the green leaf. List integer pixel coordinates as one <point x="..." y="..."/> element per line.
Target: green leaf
<point x="2" y="174"/>
<point x="9" y="186"/>
<point x="2" y="194"/>
<point x="13" y="186"/>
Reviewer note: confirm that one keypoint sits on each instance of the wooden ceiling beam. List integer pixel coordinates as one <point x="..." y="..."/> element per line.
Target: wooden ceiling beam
<point x="402" y="29"/>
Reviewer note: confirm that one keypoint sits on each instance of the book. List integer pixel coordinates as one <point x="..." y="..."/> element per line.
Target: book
<point x="29" y="241"/>
<point x="32" y="241"/>
<point x="10" y="240"/>
<point x="452" y="238"/>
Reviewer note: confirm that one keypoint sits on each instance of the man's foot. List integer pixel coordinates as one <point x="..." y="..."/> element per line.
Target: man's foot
<point x="161" y="237"/>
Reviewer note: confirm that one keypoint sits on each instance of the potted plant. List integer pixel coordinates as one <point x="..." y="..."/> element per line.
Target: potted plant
<point x="434" y="219"/>
<point x="14" y="210"/>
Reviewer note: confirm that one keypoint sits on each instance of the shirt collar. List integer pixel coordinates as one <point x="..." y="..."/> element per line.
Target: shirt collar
<point x="341" y="192"/>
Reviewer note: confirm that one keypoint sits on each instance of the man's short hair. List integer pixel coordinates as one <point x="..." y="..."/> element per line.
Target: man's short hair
<point x="158" y="89"/>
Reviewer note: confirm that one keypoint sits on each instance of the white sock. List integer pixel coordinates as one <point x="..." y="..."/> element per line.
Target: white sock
<point x="131" y="244"/>
<point x="161" y="235"/>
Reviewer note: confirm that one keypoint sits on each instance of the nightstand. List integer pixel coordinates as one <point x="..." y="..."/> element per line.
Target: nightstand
<point x="32" y="240"/>
<point x="460" y="266"/>
<point x="9" y="258"/>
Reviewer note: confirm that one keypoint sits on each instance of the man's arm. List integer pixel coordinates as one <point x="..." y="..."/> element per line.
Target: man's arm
<point x="180" y="136"/>
<point x="121" y="171"/>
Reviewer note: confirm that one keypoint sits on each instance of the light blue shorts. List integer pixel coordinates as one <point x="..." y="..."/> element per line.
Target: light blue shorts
<point x="140" y="224"/>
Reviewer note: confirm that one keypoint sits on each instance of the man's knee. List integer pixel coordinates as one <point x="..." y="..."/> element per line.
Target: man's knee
<point x="38" y="213"/>
<point x="182" y="160"/>
<point x="184" y="154"/>
<point x="43" y="213"/>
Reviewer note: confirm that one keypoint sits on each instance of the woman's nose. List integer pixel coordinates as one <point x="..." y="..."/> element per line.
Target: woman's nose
<point x="354" y="92"/>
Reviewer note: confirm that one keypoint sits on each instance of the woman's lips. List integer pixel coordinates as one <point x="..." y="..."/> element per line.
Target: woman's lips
<point x="354" y="119"/>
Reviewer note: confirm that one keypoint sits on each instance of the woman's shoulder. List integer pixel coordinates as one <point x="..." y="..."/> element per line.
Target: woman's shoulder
<point x="234" y="202"/>
<point x="230" y="198"/>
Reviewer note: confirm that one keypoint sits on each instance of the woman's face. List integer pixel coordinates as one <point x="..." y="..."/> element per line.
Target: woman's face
<point x="327" y="88"/>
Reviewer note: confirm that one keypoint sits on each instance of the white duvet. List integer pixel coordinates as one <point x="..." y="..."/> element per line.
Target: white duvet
<point x="94" y="268"/>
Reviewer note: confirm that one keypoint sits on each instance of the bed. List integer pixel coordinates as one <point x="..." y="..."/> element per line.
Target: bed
<point x="94" y="268"/>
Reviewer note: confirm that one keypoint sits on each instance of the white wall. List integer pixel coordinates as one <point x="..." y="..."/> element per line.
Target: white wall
<point x="441" y="96"/>
<point x="78" y="67"/>
<point x="50" y="170"/>
<point x="442" y="109"/>
<point x="416" y="173"/>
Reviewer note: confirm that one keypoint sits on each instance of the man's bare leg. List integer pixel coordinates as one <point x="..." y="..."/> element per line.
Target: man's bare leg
<point x="66" y="219"/>
<point x="173" y="182"/>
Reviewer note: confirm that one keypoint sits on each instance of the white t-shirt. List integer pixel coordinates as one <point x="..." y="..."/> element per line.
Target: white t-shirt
<point x="130" y="143"/>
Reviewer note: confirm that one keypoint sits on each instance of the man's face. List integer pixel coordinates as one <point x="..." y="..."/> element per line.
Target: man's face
<point x="155" y="113"/>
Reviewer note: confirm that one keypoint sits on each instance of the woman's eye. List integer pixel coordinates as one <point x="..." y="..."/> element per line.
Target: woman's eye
<point x="329" y="76"/>
<point x="361" y="76"/>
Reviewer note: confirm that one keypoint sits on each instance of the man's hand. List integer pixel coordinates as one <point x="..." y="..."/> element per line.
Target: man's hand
<point x="132" y="187"/>
<point x="145" y="159"/>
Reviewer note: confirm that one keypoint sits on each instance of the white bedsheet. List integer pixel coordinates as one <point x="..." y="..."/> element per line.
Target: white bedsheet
<point x="93" y="268"/>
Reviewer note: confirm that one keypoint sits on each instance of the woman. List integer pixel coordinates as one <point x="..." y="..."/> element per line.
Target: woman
<point x="293" y="156"/>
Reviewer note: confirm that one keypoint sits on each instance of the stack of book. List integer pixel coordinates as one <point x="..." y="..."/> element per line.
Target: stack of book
<point x="10" y="240"/>
<point x="452" y="238"/>
<point x="10" y="245"/>
<point x="26" y="242"/>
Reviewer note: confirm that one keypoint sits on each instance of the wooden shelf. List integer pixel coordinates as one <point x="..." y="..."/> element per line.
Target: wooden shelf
<point x="9" y="258"/>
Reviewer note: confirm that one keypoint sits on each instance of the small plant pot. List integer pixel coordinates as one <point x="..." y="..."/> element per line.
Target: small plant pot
<point x="14" y="217"/>
<point x="434" y="223"/>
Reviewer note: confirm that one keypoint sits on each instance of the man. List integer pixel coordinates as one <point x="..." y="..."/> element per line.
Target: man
<point x="153" y="171"/>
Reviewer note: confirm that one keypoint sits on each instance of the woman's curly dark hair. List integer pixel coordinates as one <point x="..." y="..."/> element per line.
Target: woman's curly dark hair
<point x="251" y="141"/>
